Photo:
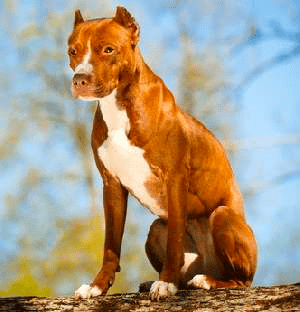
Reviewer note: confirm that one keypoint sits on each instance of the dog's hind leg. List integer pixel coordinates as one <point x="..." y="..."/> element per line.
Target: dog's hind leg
<point x="219" y="251"/>
<point x="156" y="249"/>
<point x="156" y="245"/>
<point x="235" y="249"/>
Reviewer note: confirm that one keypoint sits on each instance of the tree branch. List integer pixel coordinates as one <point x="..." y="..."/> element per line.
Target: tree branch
<point x="276" y="60"/>
<point x="276" y="298"/>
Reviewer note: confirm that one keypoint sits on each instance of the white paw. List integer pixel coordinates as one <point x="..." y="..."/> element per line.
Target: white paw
<point x="199" y="281"/>
<point x="160" y="289"/>
<point x="86" y="292"/>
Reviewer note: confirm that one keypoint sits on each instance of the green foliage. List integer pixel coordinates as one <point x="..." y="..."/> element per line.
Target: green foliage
<point x="25" y="284"/>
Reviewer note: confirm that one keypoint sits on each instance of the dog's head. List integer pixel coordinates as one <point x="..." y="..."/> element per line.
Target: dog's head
<point x="102" y="53"/>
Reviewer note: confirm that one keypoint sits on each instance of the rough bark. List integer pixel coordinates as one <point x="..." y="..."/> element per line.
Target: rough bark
<point x="275" y="298"/>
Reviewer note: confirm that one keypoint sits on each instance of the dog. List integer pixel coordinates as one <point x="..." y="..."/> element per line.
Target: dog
<point x="145" y="145"/>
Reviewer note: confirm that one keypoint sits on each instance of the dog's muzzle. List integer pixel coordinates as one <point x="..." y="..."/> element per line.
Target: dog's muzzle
<point x="81" y="85"/>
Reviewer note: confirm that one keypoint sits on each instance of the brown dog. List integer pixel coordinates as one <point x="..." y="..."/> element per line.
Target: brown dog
<point x="146" y="146"/>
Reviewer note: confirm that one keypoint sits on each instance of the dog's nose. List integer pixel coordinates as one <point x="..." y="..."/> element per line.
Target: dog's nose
<point x="80" y="80"/>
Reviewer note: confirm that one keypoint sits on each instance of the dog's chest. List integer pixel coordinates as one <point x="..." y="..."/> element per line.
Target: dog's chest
<point x="122" y="159"/>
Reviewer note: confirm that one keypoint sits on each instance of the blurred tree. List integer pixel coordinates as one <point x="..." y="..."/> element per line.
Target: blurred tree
<point x="57" y="247"/>
<point x="25" y="284"/>
<point x="53" y="242"/>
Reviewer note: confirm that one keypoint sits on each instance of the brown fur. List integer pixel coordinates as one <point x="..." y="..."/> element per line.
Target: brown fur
<point x="192" y="179"/>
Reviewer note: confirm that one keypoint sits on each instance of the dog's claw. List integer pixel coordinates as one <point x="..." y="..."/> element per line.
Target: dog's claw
<point x="87" y="291"/>
<point x="199" y="281"/>
<point x="160" y="289"/>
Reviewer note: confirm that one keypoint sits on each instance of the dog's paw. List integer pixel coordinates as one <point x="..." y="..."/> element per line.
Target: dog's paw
<point x="86" y="292"/>
<point x="199" y="281"/>
<point x="160" y="289"/>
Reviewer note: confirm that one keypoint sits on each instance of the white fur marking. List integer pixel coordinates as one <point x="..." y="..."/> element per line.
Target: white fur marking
<point x="85" y="67"/>
<point x="86" y="292"/>
<point x="88" y="99"/>
<point x="122" y="159"/>
<point x="160" y="289"/>
<point x="189" y="258"/>
<point x="199" y="281"/>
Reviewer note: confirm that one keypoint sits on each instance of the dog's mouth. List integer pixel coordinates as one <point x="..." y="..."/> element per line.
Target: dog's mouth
<point x="85" y="88"/>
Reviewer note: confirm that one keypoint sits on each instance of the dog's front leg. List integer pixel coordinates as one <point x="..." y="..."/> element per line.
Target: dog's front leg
<point x="169" y="277"/>
<point x="115" y="207"/>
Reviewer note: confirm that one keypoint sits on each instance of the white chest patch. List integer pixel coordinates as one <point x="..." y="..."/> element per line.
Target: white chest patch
<point x="122" y="159"/>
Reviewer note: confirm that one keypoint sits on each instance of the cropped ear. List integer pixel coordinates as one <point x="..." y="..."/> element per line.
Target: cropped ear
<point x="124" y="18"/>
<point x="78" y="18"/>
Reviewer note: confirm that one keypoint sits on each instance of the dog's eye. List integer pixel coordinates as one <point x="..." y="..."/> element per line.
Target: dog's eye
<point x="108" y="50"/>
<point x="72" y="51"/>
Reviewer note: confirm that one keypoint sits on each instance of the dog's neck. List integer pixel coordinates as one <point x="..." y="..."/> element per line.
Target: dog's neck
<point x="141" y="76"/>
<point x="130" y="105"/>
<point x="115" y="117"/>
